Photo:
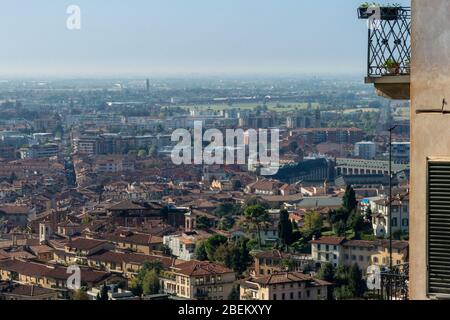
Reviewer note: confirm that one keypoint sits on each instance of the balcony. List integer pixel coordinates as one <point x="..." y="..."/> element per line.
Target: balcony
<point x="389" y="50"/>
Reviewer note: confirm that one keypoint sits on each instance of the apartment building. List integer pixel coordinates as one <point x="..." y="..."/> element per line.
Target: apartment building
<point x="199" y="280"/>
<point x="284" y="286"/>
<point x="271" y="261"/>
<point x="364" y="253"/>
<point x="399" y="222"/>
<point x="40" y="151"/>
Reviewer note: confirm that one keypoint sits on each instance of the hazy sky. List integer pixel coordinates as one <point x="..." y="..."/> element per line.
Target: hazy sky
<point x="156" y="37"/>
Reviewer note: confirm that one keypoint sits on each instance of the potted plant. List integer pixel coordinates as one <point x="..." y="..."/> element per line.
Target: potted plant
<point x="366" y="10"/>
<point x="386" y="12"/>
<point x="408" y="66"/>
<point x="392" y="66"/>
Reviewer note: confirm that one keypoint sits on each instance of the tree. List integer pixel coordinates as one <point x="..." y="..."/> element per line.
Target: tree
<point x="144" y="281"/>
<point x="152" y="150"/>
<point x="239" y="257"/>
<point x="312" y="224"/>
<point x="343" y="293"/>
<point x="349" y="200"/>
<point x="234" y="294"/>
<point x="326" y="272"/>
<point x="150" y="283"/>
<point x="285" y="228"/>
<point x="103" y="296"/>
<point x="368" y="214"/>
<point x="226" y="223"/>
<point x="355" y="281"/>
<point x="227" y="209"/>
<point x="203" y="223"/>
<point x="136" y="287"/>
<point x="340" y="228"/>
<point x="211" y="245"/>
<point x="142" y="153"/>
<point x="80" y="295"/>
<point x="256" y="218"/>
<point x="200" y="251"/>
<point x="288" y="264"/>
<point x="12" y="177"/>
<point x="356" y="223"/>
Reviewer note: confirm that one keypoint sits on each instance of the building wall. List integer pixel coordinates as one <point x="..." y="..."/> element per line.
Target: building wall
<point x="430" y="83"/>
<point x="288" y="291"/>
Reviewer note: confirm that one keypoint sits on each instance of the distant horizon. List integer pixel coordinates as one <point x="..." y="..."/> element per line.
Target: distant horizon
<point x="175" y="76"/>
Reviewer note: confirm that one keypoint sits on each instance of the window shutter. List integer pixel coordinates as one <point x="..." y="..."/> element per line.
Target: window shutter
<point x="439" y="227"/>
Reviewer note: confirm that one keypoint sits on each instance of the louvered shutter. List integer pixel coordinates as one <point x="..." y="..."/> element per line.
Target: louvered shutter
<point x="439" y="227"/>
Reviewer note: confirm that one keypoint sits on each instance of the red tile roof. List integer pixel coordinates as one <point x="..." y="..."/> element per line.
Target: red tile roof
<point x="329" y="240"/>
<point x="201" y="268"/>
<point x="288" y="277"/>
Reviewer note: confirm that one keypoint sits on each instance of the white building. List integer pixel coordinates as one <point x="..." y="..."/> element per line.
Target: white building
<point x="399" y="215"/>
<point x="365" y="150"/>
<point x="328" y="250"/>
<point x="182" y="245"/>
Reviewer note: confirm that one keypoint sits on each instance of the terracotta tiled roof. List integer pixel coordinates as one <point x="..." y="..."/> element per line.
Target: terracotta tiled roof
<point x="201" y="268"/>
<point x="10" y="209"/>
<point x="119" y="257"/>
<point x="271" y="254"/>
<point x="24" y="268"/>
<point x="329" y="240"/>
<point x="84" y="244"/>
<point x="288" y="277"/>
<point x="126" y="205"/>
<point x="134" y="238"/>
<point x="27" y="290"/>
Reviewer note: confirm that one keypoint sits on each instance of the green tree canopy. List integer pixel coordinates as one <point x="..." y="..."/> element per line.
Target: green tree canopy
<point x="312" y="224"/>
<point x="326" y="272"/>
<point x="211" y="245"/>
<point x="150" y="283"/>
<point x="256" y="219"/>
<point x="349" y="200"/>
<point x="200" y="251"/>
<point x="285" y="228"/>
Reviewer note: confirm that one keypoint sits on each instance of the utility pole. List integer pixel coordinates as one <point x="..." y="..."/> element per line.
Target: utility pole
<point x="390" y="197"/>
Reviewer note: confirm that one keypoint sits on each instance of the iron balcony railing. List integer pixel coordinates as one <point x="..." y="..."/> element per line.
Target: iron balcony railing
<point x="394" y="284"/>
<point x="389" y="40"/>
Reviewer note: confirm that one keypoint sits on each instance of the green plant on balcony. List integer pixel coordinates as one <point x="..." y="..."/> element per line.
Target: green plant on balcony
<point x="392" y="66"/>
<point x="387" y="11"/>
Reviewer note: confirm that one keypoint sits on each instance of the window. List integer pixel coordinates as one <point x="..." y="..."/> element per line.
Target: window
<point x="283" y="296"/>
<point x="394" y="222"/>
<point x="292" y="296"/>
<point x="308" y="293"/>
<point x="274" y="296"/>
<point x="299" y="295"/>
